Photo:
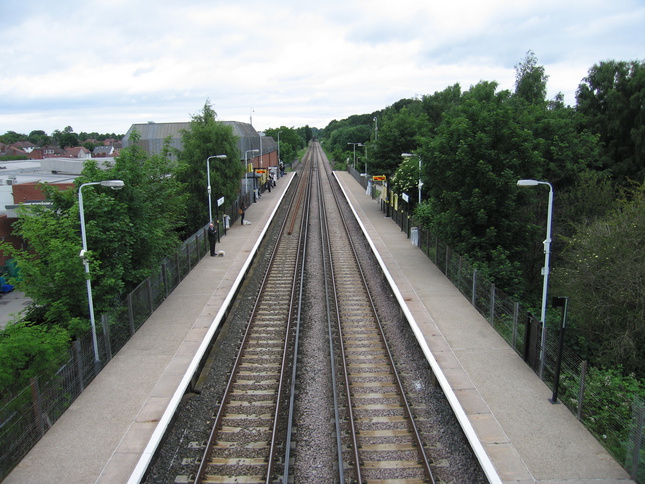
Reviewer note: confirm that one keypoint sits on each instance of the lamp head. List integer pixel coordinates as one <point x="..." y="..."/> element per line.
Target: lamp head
<point x="407" y="155"/>
<point x="527" y="183"/>
<point x="113" y="184"/>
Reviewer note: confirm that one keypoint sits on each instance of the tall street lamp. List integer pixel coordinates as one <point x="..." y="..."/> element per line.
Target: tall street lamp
<point x="355" y="145"/>
<point x="278" y="151"/>
<point x="208" y="188"/>
<point x="246" y="170"/>
<point x="409" y="155"/>
<point x="545" y="269"/>
<point x="116" y="185"/>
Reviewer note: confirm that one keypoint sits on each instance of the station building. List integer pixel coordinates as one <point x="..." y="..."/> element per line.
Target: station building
<point x="153" y="135"/>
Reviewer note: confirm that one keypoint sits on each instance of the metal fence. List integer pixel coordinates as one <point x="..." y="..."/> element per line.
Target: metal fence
<point x="28" y="414"/>
<point x="615" y="418"/>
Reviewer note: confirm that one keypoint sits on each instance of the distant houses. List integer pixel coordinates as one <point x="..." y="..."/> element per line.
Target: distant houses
<point x="26" y="150"/>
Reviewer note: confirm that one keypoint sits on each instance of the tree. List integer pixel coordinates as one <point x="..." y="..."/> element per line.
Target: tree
<point x="406" y="178"/>
<point x="11" y="137"/>
<point x="207" y="137"/>
<point x="469" y="168"/>
<point x="530" y="80"/>
<point x="290" y="142"/>
<point x="604" y="275"/>
<point x="128" y="233"/>
<point x="27" y="351"/>
<point x="611" y="100"/>
<point x="39" y="138"/>
<point x="400" y="132"/>
<point x="66" y="138"/>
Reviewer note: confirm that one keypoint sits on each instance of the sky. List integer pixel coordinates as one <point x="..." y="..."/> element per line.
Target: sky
<point x="103" y="65"/>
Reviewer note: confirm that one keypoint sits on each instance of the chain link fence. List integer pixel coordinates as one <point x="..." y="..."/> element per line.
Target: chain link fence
<point x="615" y="418"/>
<point x="26" y="415"/>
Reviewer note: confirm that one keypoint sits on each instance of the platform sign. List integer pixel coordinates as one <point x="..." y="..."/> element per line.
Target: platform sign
<point x="220" y="202"/>
<point x="261" y="171"/>
<point x="378" y="178"/>
<point x="405" y="197"/>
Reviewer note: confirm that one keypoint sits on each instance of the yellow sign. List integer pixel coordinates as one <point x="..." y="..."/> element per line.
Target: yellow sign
<point x="261" y="172"/>
<point x="378" y="178"/>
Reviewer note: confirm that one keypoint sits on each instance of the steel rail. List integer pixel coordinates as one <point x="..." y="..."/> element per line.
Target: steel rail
<point x="218" y="420"/>
<point x="413" y="428"/>
<point x="304" y="231"/>
<point x="330" y="291"/>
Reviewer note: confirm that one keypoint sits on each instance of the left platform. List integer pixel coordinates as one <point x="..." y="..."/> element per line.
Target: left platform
<point x="109" y="431"/>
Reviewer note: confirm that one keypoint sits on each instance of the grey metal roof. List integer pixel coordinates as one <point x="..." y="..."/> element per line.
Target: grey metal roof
<point x="154" y="134"/>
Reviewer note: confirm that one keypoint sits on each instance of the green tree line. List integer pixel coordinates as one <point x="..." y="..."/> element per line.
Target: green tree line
<point x="129" y="232"/>
<point x="474" y="145"/>
<point x="62" y="138"/>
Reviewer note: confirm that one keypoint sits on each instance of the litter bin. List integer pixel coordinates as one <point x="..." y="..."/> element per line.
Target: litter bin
<point x="414" y="235"/>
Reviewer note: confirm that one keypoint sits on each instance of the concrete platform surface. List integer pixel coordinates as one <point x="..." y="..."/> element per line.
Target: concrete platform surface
<point x="107" y="434"/>
<point x="526" y="437"/>
<point x="103" y="435"/>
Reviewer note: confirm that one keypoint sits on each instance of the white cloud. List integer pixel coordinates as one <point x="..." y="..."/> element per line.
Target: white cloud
<point x="103" y="65"/>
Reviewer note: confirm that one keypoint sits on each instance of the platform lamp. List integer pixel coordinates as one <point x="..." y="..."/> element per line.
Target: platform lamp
<point x="208" y="178"/>
<point x="545" y="269"/>
<point x="115" y="185"/>
<point x="246" y="170"/>
<point x="355" y="145"/>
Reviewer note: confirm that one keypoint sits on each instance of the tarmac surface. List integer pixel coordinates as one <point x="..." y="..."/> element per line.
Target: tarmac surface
<point x="11" y="305"/>
<point x="110" y="432"/>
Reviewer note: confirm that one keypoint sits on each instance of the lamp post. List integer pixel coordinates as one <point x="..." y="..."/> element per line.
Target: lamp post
<point x="420" y="184"/>
<point x="545" y="269"/>
<point x="208" y="188"/>
<point x="115" y="185"/>
<point x="355" y="145"/>
<point x="278" y="164"/>
<point x="375" y="128"/>
<point x="246" y="170"/>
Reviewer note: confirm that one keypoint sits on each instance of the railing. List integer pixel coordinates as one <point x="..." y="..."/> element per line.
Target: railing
<point x="27" y="415"/>
<point x="617" y="421"/>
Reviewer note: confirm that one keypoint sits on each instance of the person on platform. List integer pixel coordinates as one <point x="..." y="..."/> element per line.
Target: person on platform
<point x="212" y="237"/>
<point x="242" y="212"/>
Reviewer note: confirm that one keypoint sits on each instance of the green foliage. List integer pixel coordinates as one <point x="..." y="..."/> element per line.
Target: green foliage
<point x="611" y="100"/>
<point x="13" y="157"/>
<point x="607" y="409"/>
<point x="66" y="138"/>
<point x="468" y="168"/>
<point x="530" y="80"/>
<point x="27" y="351"/>
<point x="128" y="233"/>
<point x="399" y="133"/>
<point x="206" y="137"/>
<point x="476" y="144"/>
<point x="290" y="142"/>
<point x="39" y="138"/>
<point x="603" y="271"/>
<point x="406" y="178"/>
<point x="11" y="137"/>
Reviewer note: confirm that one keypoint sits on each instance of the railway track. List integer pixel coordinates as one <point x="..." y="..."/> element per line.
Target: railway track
<point x="245" y="433"/>
<point x="315" y="394"/>
<point x="384" y="441"/>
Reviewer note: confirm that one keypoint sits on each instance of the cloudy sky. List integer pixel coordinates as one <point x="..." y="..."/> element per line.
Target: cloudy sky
<point x="102" y="65"/>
